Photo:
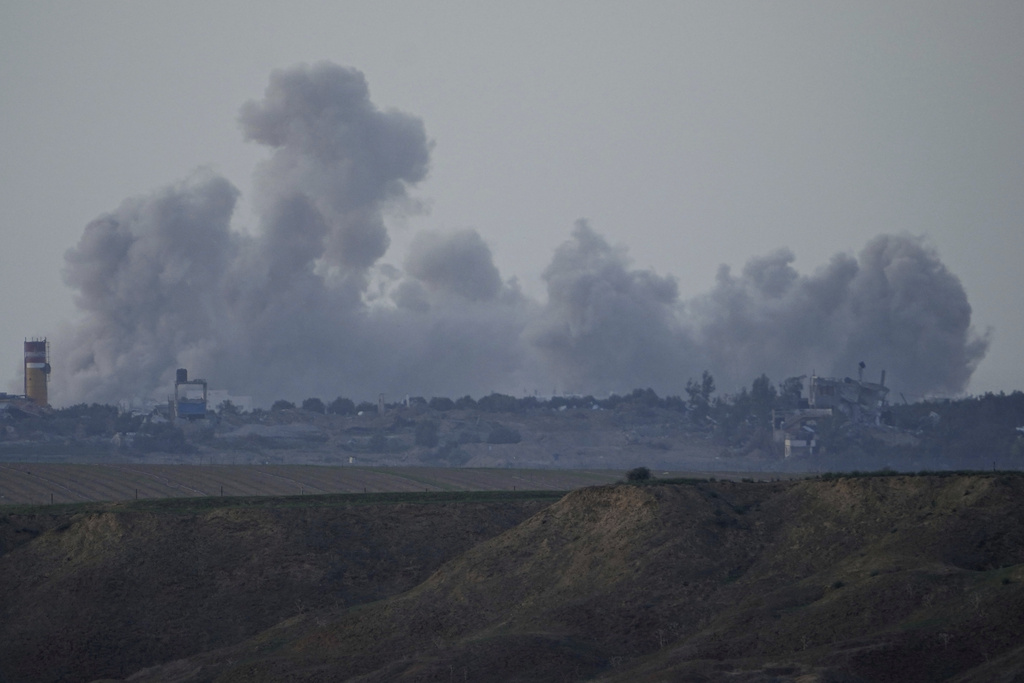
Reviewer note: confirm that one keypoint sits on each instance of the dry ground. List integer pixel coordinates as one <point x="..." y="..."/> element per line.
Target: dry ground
<point x="853" y="579"/>
<point x="42" y="483"/>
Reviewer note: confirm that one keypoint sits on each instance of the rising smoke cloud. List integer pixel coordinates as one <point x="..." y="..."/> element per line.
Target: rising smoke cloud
<point x="305" y="306"/>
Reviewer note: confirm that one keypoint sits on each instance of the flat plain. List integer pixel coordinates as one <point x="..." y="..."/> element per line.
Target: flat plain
<point x="23" y="483"/>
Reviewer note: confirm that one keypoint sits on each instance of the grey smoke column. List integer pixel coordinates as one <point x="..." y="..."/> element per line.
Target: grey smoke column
<point x="148" y="277"/>
<point x="163" y="282"/>
<point x="336" y="149"/>
<point x="606" y="327"/>
<point x="305" y="307"/>
<point x="459" y="263"/>
<point x="896" y="307"/>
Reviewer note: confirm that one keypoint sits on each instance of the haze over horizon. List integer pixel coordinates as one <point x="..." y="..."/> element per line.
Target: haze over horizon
<point x="335" y="264"/>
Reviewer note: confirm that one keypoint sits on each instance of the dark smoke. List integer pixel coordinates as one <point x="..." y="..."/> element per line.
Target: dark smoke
<point x="896" y="307"/>
<point x="606" y="327"/>
<point x="336" y="150"/>
<point x="150" y="279"/>
<point x="306" y="308"/>
<point x="459" y="263"/>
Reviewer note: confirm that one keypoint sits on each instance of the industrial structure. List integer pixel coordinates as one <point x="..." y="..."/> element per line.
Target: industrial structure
<point x="861" y="402"/>
<point x="189" y="397"/>
<point x="797" y="430"/>
<point x="37" y="371"/>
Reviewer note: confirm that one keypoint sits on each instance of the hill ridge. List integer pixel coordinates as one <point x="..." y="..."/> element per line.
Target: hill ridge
<point x="857" y="579"/>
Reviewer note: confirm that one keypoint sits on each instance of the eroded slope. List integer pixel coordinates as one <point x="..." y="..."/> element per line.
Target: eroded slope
<point x="108" y="591"/>
<point x="873" y="579"/>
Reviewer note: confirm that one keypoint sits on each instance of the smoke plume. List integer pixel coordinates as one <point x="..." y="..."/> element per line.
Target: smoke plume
<point x="303" y="306"/>
<point x="895" y="307"/>
<point x="605" y="326"/>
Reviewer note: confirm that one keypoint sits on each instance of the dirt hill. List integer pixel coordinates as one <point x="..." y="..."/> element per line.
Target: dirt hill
<point x="848" y="579"/>
<point x="104" y="590"/>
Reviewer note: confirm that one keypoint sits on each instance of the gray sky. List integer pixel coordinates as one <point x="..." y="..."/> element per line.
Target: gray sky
<point x="695" y="134"/>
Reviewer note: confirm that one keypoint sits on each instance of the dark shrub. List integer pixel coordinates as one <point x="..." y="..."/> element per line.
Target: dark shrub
<point x="498" y="403"/>
<point x="638" y="474"/>
<point x="378" y="443"/>
<point x="342" y="406"/>
<point x="426" y="433"/>
<point x="502" y="434"/>
<point x="314" y="405"/>
<point x="441" y="403"/>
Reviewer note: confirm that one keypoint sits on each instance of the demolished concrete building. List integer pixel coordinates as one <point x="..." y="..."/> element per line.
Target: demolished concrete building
<point x="796" y="430"/>
<point x="861" y="402"/>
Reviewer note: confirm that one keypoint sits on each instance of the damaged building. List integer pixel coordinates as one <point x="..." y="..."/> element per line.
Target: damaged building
<point x="861" y="402"/>
<point x="797" y="430"/>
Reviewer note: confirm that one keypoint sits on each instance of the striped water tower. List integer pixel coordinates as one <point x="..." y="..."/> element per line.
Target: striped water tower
<point x="37" y="371"/>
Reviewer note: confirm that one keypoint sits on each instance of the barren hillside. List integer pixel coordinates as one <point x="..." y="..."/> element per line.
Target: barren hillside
<point x="104" y="590"/>
<point x="847" y="579"/>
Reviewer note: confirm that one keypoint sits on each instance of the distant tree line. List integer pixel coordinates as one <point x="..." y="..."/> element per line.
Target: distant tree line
<point x="978" y="431"/>
<point x="98" y="423"/>
<point x="975" y="431"/>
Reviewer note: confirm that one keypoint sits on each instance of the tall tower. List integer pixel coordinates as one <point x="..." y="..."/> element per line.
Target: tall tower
<point x="37" y="371"/>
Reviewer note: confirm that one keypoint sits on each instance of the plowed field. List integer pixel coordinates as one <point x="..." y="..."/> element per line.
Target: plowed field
<point x="39" y="483"/>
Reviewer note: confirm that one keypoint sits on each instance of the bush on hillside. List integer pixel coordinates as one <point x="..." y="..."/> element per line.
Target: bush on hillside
<point x="314" y="405"/>
<point x="638" y="474"/>
<point x="502" y="434"/>
<point x="342" y="406"/>
<point x="441" y="403"/>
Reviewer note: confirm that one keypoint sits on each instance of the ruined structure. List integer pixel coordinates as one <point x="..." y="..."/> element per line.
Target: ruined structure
<point x="861" y="402"/>
<point x="796" y="430"/>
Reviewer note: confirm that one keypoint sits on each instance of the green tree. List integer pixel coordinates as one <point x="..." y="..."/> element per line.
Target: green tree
<point x="762" y="398"/>
<point x="699" y="394"/>
<point x="791" y="391"/>
<point x="732" y="418"/>
<point x="644" y="397"/>
<point x="314" y="405"/>
<point x="282" y="404"/>
<point x="441" y="403"/>
<point x="342" y="406"/>
<point x="610" y="403"/>
<point x="126" y="422"/>
<point x="498" y="403"/>
<point x="466" y="403"/>
<point x="226" y="407"/>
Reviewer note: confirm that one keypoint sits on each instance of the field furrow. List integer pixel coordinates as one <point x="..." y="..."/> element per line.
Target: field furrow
<point x="36" y="483"/>
<point x="18" y="484"/>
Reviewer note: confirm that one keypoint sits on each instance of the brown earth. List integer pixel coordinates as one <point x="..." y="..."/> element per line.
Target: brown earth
<point x="107" y="589"/>
<point x="852" y="579"/>
<point x="33" y="483"/>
